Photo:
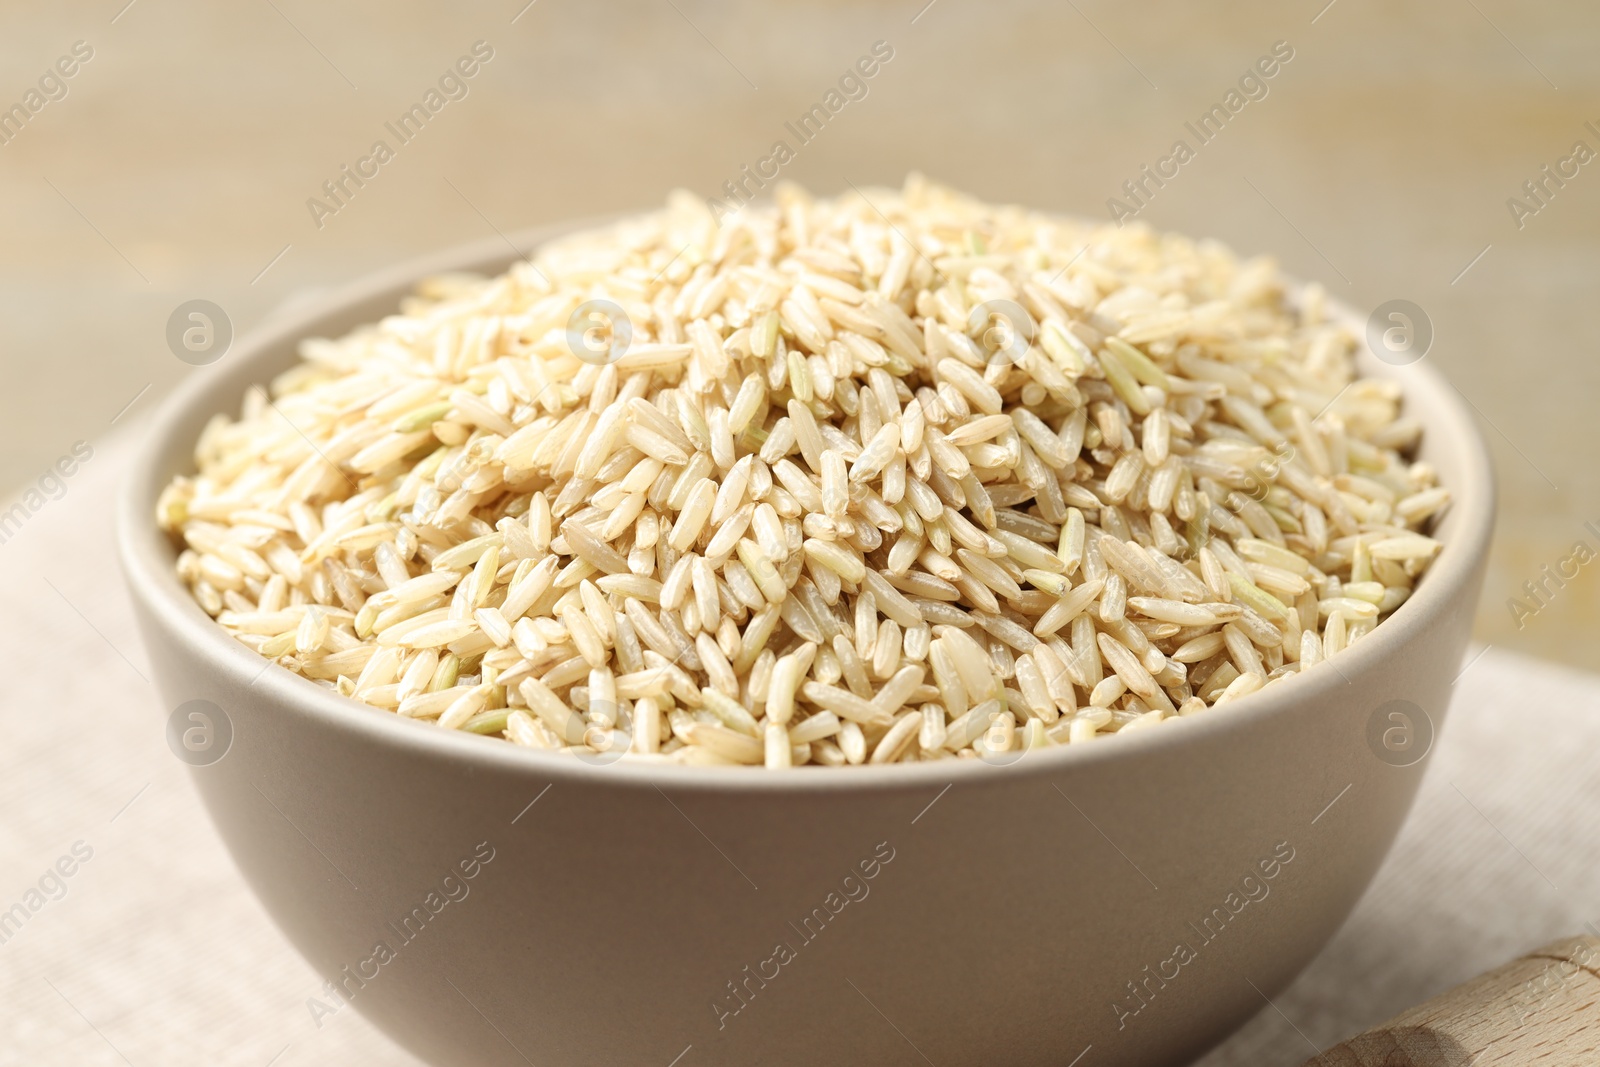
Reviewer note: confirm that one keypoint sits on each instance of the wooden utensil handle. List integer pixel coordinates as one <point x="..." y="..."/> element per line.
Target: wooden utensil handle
<point x="1542" y="1010"/>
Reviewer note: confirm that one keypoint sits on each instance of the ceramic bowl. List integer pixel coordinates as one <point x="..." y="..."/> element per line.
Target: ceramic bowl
<point x="1128" y="901"/>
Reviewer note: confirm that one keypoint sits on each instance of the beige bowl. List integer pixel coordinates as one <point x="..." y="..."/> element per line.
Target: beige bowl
<point x="1128" y="901"/>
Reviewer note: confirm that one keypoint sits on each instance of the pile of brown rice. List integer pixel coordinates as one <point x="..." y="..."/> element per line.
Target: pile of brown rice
<point x="875" y="479"/>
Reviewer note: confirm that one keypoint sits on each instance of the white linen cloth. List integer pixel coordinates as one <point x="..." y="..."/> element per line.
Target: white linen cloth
<point x="157" y="954"/>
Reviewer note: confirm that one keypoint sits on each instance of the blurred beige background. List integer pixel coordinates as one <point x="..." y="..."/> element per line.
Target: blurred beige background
<point x="179" y="162"/>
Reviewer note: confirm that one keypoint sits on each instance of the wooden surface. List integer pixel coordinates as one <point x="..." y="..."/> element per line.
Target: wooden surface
<point x="179" y="164"/>
<point x="1540" y="1010"/>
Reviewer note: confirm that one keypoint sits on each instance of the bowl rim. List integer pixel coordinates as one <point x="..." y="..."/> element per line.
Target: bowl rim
<point x="147" y="556"/>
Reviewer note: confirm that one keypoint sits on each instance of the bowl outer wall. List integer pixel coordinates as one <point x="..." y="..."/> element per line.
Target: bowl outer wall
<point x="618" y="908"/>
